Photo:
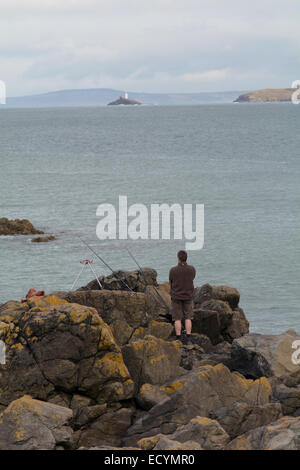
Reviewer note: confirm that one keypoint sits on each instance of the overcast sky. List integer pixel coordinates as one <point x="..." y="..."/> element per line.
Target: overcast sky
<point x="148" y="45"/>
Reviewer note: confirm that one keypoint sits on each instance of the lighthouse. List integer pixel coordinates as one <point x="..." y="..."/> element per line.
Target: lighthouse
<point x="126" y="95"/>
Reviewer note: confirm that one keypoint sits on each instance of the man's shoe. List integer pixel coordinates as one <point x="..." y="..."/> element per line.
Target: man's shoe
<point x="188" y="340"/>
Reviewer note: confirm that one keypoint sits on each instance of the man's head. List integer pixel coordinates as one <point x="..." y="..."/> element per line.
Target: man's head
<point x="182" y="256"/>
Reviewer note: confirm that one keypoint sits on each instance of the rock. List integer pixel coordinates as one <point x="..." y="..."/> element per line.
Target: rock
<point x="150" y="395"/>
<point x="17" y="227"/>
<point x="160" y="330"/>
<point x="258" y="355"/>
<point x="124" y="312"/>
<point x="152" y="360"/>
<point x="85" y="411"/>
<point x="243" y="417"/>
<point x="53" y="346"/>
<point x="164" y="443"/>
<point x="195" y="356"/>
<point x="137" y="280"/>
<point x="108" y="429"/>
<point x="207" y="322"/>
<point x="239" y="325"/>
<point x="160" y="299"/>
<point x="106" y="447"/>
<point x="206" y="432"/>
<point x="287" y="396"/>
<point x="200" y="392"/>
<point x="201" y="433"/>
<point x="283" y="434"/>
<point x="49" y="238"/>
<point x="124" y="101"/>
<point x="28" y="424"/>
<point x="223" y="293"/>
<point x="217" y="314"/>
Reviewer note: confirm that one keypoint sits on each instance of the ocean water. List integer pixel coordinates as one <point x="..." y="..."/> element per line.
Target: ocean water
<point x="240" y="161"/>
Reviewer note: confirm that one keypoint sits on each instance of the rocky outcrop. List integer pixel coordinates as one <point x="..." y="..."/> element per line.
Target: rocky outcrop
<point x="124" y="101"/>
<point x="200" y="392"/>
<point x="17" y="227"/>
<point x="283" y="434"/>
<point x="47" y="239"/>
<point x="104" y="371"/>
<point x="53" y="346"/>
<point x="28" y="424"/>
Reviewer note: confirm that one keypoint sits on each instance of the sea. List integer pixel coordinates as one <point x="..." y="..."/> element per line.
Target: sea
<point x="241" y="161"/>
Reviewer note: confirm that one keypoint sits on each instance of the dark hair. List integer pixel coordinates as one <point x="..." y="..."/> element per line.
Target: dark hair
<point x="182" y="255"/>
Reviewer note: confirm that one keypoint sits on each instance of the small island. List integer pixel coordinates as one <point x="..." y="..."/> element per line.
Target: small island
<point x="124" y="100"/>
<point x="267" y="95"/>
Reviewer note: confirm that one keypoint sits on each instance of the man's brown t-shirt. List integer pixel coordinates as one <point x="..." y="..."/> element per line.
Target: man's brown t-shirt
<point x="181" y="278"/>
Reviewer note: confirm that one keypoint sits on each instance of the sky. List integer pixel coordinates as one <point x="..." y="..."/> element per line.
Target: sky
<point x="174" y="46"/>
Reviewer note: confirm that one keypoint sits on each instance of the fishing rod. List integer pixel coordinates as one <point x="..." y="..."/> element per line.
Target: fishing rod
<point x="142" y="272"/>
<point x="105" y="263"/>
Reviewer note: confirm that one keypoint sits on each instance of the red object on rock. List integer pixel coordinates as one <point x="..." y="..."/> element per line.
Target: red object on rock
<point x="32" y="294"/>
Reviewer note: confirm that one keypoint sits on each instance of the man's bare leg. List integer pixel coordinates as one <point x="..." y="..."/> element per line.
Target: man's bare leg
<point x="188" y="326"/>
<point x="178" y="327"/>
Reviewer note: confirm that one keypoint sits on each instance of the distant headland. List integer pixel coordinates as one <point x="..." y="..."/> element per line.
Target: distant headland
<point x="124" y="100"/>
<point x="267" y="95"/>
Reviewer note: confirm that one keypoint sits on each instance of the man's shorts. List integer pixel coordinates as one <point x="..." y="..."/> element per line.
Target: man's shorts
<point x="182" y="309"/>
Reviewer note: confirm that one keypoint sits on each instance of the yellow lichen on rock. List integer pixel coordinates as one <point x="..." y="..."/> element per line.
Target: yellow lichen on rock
<point x="112" y="364"/>
<point x="173" y="387"/>
<point x="148" y="442"/>
<point x="153" y="360"/>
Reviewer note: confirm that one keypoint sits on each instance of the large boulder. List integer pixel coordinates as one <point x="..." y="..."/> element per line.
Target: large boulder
<point x="124" y="312"/>
<point x="53" y="346"/>
<point x="17" y="227"/>
<point x="28" y="424"/>
<point x="283" y="434"/>
<point x="257" y="355"/>
<point x="223" y="293"/>
<point x="217" y="313"/>
<point x="200" y="392"/>
<point x="152" y="360"/>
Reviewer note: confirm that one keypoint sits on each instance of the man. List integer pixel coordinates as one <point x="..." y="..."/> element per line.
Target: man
<point x="181" y="278"/>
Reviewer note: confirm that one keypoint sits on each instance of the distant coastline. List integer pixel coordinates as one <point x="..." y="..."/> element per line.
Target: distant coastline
<point x="102" y="96"/>
<point x="268" y="95"/>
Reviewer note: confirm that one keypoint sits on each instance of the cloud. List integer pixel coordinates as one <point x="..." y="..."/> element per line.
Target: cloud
<point x="162" y="45"/>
